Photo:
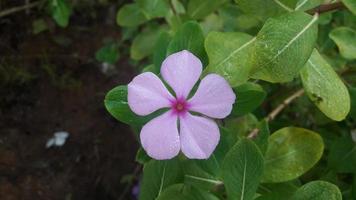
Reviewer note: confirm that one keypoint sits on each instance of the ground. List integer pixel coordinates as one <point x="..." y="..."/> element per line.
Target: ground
<point x="62" y="90"/>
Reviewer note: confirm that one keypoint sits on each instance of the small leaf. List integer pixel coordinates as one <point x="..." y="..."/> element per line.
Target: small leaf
<point x="351" y="5"/>
<point x="263" y="9"/>
<point x="262" y="137"/>
<point x="291" y="152"/>
<point x="344" y="37"/>
<point x="154" y="8"/>
<point x="212" y="165"/>
<point x="242" y="169"/>
<point x="283" y="46"/>
<point x="277" y="191"/>
<point x="143" y="44"/>
<point x="117" y="105"/>
<point x="160" y="50"/>
<point x="198" y="9"/>
<point x="324" y="88"/>
<point x="157" y="175"/>
<point x="307" y="4"/>
<point x="228" y="54"/>
<point x="60" y="11"/>
<point x="142" y="157"/>
<point x="189" y="37"/>
<point x="108" y="53"/>
<point x="250" y="96"/>
<point x="318" y="190"/>
<point x="130" y="15"/>
<point x="181" y="192"/>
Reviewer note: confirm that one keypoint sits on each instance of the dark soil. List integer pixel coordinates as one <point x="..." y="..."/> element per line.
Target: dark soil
<point x="64" y="91"/>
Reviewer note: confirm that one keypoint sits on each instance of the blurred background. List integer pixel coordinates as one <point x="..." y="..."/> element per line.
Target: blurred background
<point x="53" y="79"/>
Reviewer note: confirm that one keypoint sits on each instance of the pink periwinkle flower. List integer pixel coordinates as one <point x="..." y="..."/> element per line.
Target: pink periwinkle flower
<point x="197" y="136"/>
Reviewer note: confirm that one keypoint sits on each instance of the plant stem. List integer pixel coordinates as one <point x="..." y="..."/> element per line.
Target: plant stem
<point x="19" y="8"/>
<point x="326" y="8"/>
<point x="272" y="115"/>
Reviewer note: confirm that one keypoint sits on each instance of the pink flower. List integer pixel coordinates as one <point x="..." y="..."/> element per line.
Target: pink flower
<point x="197" y="136"/>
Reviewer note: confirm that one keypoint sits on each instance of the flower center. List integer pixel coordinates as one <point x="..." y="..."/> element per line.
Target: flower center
<point x="180" y="106"/>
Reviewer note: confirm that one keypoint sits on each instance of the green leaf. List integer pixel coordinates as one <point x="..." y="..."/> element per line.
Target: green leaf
<point x="242" y="169"/>
<point x="262" y="137"/>
<point x="142" y="157"/>
<point x="212" y="165"/>
<point x="212" y="22"/>
<point x="318" y="190"/>
<point x="250" y="96"/>
<point x="291" y="152"/>
<point x="160" y="50"/>
<point x="344" y="38"/>
<point x="324" y="88"/>
<point x="116" y="103"/>
<point x="144" y="43"/>
<point x="283" y="46"/>
<point x="352" y="113"/>
<point x="181" y="192"/>
<point x="228" y="54"/>
<point x="108" y="53"/>
<point x="351" y="5"/>
<point x="307" y="4"/>
<point x="189" y="37"/>
<point x="263" y="9"/>
<point x="342" y="156"/>
<point x="157" y="175"/>
<point x="60" y="11"/>
<point x="197" y="176"/>
<point x="198" y="9"/>
<point x="277" y="191"/>
<point x="130" y="15"/>
<point x="154" y="8"/>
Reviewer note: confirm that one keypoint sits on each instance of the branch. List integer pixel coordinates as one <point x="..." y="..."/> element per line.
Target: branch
<point x="272" y="115"/>
<point x="326" y="8"/>
<point x="19" y="8"/>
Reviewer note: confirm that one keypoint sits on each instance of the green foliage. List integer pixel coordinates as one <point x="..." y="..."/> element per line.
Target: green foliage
<point x="291" y="152"/>
<point x="143" y="44"/>
<point x="307" y="4"/>
<point x="251" y="95"/>
<point x="130" y="15"/>
<point x="116" y="103"/>
<point x="318" y="190"/>
<point x="324" y="88"/>
<point x="160" y="50"/>
<point x="157" y="176"/>
<point x="242" y="169"/>
<point x="180" y="192"/>
<point x="189" y="37"/>
<point x="60" y="11"/>
<point x="351" y="5"/>
<point x="228" y="53"/>
<point x="198" y="9"/>
<point x="344" y="37"/>
<point x="263" y="9"/>
<point x="283" y="46"/>
<point x="108" y="53"/>
<point x="155" y="8"/>
<point x="342" y="157"/>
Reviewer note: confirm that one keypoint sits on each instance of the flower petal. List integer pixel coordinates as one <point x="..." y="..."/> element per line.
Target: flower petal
<point x="181" y="71"/>
<point x="213" y="98"/>
<point x="147" y="93"/>
<point x="159" y="137"/>
<point x="199" y="136"/>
